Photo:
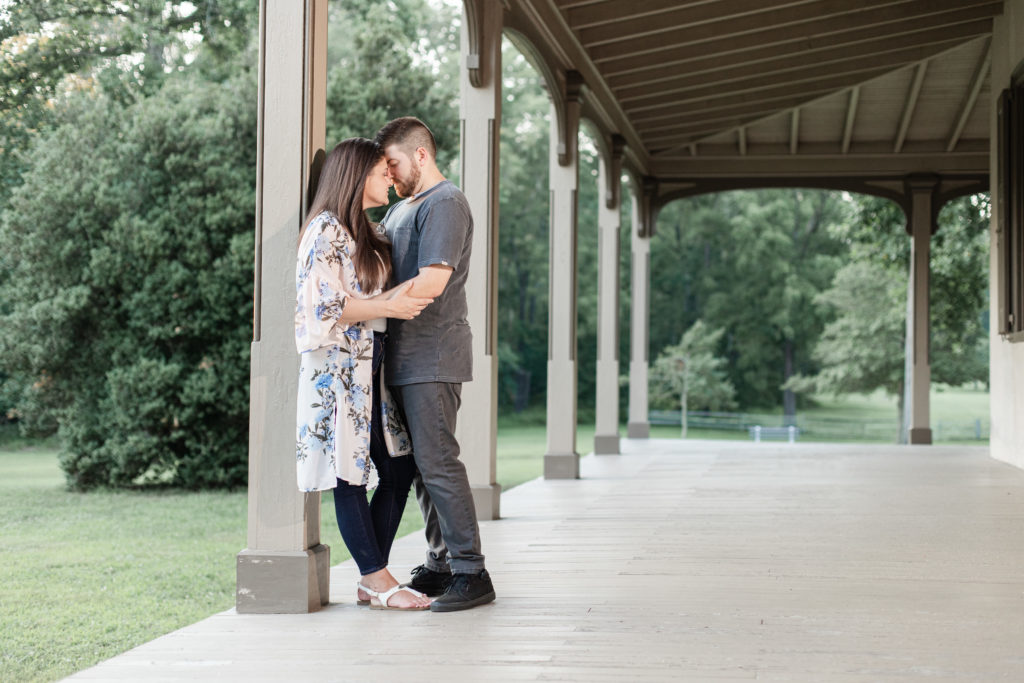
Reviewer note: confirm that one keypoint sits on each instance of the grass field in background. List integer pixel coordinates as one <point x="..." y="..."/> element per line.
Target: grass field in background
<point x="87" y="576"/>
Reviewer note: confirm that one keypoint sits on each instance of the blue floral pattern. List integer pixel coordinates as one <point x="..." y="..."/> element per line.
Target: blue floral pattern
<point x="335" y="373"/>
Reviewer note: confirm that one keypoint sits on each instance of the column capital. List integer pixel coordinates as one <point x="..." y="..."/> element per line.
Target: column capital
<point x="613" y="178"/>
<point x="648" y="211"/>
<point x="479" y="34"/>
<point x="918" y="185"/>
<point x="921" y="182"/>
<point x="567" y="109"/>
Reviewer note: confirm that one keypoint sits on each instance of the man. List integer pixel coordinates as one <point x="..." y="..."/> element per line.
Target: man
<point x="429" y="357"/>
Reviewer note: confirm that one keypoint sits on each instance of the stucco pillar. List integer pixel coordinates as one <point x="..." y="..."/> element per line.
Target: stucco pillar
<point x="561" y="461"/>
<point x="480" y="111"/>
<point x="284" y="567"/>
<point x="609" y="172"/>
<point x="639" y="426"/>
<point x="918" y="382"/>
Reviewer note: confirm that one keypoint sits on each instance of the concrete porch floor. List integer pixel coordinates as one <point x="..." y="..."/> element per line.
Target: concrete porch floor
<point x="684" y="561"/>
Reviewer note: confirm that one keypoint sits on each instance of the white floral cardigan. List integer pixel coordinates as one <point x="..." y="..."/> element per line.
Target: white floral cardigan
<point x="333" y="420"/>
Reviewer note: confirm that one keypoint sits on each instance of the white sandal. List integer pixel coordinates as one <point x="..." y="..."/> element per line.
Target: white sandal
<point x="380" y="600"/>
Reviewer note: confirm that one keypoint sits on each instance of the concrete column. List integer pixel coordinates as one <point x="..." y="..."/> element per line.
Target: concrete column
<point x="639" y="427"/>
<point x="918" y="382"/>
<point x="561" y="461"/>
<point x="284" y="568"/>
<point x="606" y="434"/>
<point x="480" y="111"/>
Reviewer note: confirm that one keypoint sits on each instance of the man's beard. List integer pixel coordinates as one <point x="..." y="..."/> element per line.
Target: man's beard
<point x="407" y="188"/>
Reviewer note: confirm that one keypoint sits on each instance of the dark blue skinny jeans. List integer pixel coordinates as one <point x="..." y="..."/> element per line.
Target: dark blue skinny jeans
<point x="369" y="528"/>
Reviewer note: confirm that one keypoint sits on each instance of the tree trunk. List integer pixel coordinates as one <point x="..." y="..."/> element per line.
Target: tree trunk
<point x="788" y="397"/>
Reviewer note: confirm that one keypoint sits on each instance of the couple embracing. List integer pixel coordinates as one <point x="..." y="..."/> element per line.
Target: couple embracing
<point x="382" y="368"/>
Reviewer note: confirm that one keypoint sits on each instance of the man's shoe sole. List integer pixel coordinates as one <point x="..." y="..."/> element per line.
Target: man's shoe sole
<point x="456" y="606"/>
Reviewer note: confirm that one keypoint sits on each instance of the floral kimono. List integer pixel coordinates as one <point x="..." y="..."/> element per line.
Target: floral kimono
<point x="335" y="375"/>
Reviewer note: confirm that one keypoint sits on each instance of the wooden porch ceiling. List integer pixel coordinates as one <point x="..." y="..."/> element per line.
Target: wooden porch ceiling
<point x="779" y="88"/>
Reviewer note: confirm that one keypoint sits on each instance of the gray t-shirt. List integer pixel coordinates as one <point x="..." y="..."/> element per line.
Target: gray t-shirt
<point x="433" y="227"/>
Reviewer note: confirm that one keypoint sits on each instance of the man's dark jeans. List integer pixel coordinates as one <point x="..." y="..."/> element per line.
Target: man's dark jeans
<point x="442" y="486"/>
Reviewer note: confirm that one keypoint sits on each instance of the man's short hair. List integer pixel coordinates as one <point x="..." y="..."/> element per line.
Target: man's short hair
<point x="409" y="133"/>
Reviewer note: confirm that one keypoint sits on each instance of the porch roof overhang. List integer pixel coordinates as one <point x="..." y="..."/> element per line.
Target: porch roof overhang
<point x="721" y="94"/>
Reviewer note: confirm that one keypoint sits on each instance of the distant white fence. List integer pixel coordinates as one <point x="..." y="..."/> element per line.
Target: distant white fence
<point x="821" y="428"/>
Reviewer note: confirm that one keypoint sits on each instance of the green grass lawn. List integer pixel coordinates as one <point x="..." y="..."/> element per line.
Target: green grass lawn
<point x="84" y="577"/>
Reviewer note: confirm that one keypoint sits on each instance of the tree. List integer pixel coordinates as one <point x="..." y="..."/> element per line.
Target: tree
<point x="863" y="348"/>
<point x="750" y="263"/>
<point x="394" y="59"/>
<point x="523" y="234"/>
<point x="130" y="288"/>
<point x="54" y="48"/>
<point x="691" y="374"/>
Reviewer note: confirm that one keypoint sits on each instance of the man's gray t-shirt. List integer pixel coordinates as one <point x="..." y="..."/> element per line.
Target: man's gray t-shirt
<point x="432" y="228"/>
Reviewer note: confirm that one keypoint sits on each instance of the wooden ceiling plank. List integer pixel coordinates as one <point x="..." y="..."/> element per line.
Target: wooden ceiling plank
<point x="794" y="130"/>
<point x="598" y="13"/>
<point x="753" y="83"/>
<point x="910" y="106"/>
<point x="683" y="108"/>
<point x="631" y="26"/>
<point x="884" y="21"/>
<point x="729" y="114"/>
<point x="872" y="50"/>
<point x="980" y="73"/>
<point x="851" y="115"/>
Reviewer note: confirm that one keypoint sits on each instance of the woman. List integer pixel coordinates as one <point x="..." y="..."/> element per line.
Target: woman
<point x="349" y="433"/>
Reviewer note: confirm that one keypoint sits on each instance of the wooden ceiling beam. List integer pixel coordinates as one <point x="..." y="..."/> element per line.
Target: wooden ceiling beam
<point x="851" y="115"/>
<point x="977" y="80"/>
<point x="817" y="165"/>
<point x="886" y="20"/>
<point x="868" y="51"/>
<point x="754" y="83"/>
<point x="909" y="106"/>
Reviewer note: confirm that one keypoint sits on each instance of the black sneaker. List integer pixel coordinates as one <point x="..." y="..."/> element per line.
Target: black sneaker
<point x="467" y="590"/>
<point x="429" y="582"/>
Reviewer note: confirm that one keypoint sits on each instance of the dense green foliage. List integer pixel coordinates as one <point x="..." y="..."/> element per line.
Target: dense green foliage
<point x="862" y="347"/>
<point x="749" y="263"/>
<point x="130" y="285"/>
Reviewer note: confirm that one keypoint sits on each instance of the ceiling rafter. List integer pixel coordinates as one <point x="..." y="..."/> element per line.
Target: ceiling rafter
<point x="977" y="80"/>
<point x="851" y="115"/>
<point x="910" y="106"/>
<point x="794" y="130"/>
<point x="741" y="134"/>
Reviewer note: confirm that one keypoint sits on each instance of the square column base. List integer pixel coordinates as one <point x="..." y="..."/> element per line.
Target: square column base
<point x="562" y="466"/>
<point x="606" y="444"/>
<point x="921" y="436"/>
<point x="283" y="582"/>
<point x="487" y="500"/>
<point x="638" y="430"/>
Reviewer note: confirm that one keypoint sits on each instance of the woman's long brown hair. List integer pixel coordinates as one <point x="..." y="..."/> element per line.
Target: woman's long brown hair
<point x="340" y="191"/>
